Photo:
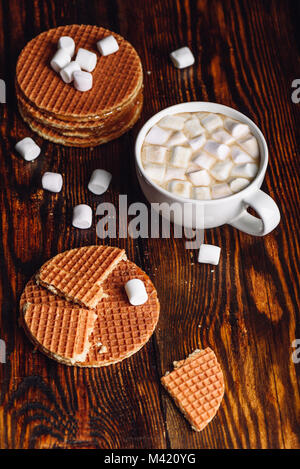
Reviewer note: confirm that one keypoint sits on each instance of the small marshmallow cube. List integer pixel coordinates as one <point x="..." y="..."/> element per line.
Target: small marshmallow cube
<point x="239" y="156"/>
<point x="219" y="150"/>
<point x="52" y="182"/>
<point x="174" y="173"/>
<point x="209" y="254"/>
<point x="178" y="138"/>
<point x="199" y="178"/>
<point x="222" y="136"/>
<point x="82" y="216"/>
<point x="83" y="81"/>
<point x="67" y="72"/>
<point x="204" y="160"/>
<point x="250" y="145"/>
<point x="180" y="156"/>
<point x="247" y="170"/>
<point x="86" y="59"/>
<point x="193" y="128"/>
<point x="28" y="149"/>
<point x="212" y="122"/>
<point x="60" y="60"/>
<point x="99" y="182"/>
<point x="155" y="171"/>
<point x="220" y="190"/>
<point x="108" y="45"/>
<point x="182" y="57"/>
<point x="239" y="184"/>
<point x="197" y="142"/>
<point x="136" y="292"/>
<point x="172" y="122"/>
<point x="68" y="44"/>
<point x="181" y="188"/>
<point x="157" y="136"/>
<point x="201" y="193"/>
<point x="237" y="129"/>
<point x="221" y="170"/>
<point x="155" y="154"/>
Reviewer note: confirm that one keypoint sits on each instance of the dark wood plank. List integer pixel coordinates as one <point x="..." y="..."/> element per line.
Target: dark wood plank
<point x="246" y="309"/>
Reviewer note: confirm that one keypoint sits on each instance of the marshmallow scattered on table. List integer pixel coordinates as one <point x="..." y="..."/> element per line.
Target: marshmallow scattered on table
<point x="221" y="170"/>
<point x="209" y="254"/>
<point x="99" y="182"/>
<point x="199" y="178"/>
<point x="155" y="154"/>
<point x="82" y="216"/>
<point x="108" y="45"/>
<point x="83" y="81"/>
<point x="157" y="136"/>
<point x="182" y="57"/>
<point x="86" y="59"/>
<point x="28" y="149"/>
<point x="172" y="122"/>
<point x="68" y="44"/>
<point x="219" y="150"/>
<point x="237" y="129"/>
<point x="238" y="184"/>
<point x="67" y="72"/>
<point x="60" y="60"/>
<point x="52" y="182"/>
<point x="136" y="292"/>
<point x="180" y="156"/>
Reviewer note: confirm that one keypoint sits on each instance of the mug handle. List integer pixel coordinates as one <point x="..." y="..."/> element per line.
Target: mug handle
<point x="266" y="208"/>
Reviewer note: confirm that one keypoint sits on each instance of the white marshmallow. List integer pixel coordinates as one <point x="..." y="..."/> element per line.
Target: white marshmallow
<point x="60" y="59"/>
<point x="155" y="154"/>
<point x="155" y="171"/>
<point x="174" y="173"/>
<point x="182" y="57"/>
<point x="28" y="149"/>
<point x="68" y="44"/>
<point x="209" y="254"/>
<point x="201" y="193"/>
<point x="220" y="190"/>
<point x="199" y="178"/>
<point x="181" y="188"/>
<point x="247" y="170"/>
<point x="221" y="170"/>
<point x="222" y="136"/>
<point x="172" y="122"/>
<point x="157" y="136"/>
<point x="180" y="156"/>
<point x="237" y="129"/>
<point x="239" y="184"/>
<point x="204" y="160"/>
<point x="82" y="216"/>
<point x="136" y="292"/>
<point x="239" y="156"/>
<point x="67" y="72"/>
<point x="178" y="138"/>
<point x="108" y="45"/>
<point x="211" y="122"/>
<point x="193" y="128"/>
<point x="52" y="182"/>
<point x="219" y="150"/>
<point x="100" y="181"/>
<point x="86" y="59"/>
<point x="83" y="81"/>
<point x="250" y="145"/>
<point x="197" y="142"/>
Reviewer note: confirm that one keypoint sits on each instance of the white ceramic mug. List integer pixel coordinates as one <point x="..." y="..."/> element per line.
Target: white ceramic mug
<point x="232" y="209"/>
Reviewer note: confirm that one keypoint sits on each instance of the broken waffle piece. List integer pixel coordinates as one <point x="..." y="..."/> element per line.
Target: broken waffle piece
<point x="197" y="387"/>
<point x="78" y="274"/>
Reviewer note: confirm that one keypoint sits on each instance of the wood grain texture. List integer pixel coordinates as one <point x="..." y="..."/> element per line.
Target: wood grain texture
<point x="246" y="309"/>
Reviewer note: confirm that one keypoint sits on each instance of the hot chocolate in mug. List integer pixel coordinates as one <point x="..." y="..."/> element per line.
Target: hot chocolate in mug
<point x="230" y="210"/>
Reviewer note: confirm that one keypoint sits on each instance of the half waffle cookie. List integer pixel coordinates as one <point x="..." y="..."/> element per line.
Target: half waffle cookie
<point x="197" y="387"/>
<point x="101" y="114"/>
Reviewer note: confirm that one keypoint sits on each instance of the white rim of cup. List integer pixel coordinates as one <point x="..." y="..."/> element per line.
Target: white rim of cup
<point x="199" y="106"/>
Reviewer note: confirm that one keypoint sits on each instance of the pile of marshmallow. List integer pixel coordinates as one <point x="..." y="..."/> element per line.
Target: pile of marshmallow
<point x="79" y="70"/>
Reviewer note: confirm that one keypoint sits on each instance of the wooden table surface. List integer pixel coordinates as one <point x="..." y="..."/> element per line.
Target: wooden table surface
<point x="246" y="309"/>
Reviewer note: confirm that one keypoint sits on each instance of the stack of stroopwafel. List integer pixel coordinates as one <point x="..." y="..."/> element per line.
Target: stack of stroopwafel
<point x="60" y="113"/>
<point x="74" y="334"/>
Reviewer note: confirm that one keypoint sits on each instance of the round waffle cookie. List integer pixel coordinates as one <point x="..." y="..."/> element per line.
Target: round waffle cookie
<point x="115" y="101"/>
<point x="74" y="335"/>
